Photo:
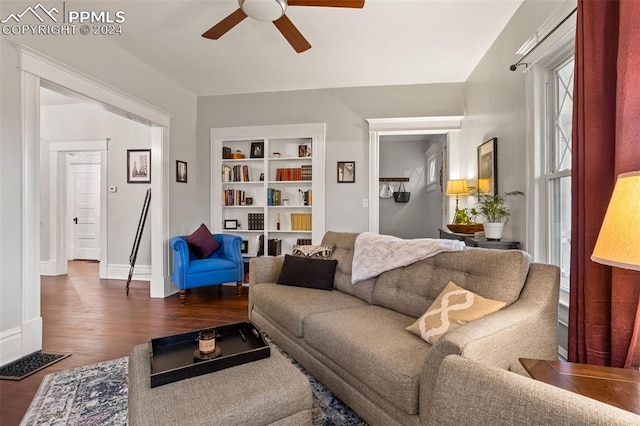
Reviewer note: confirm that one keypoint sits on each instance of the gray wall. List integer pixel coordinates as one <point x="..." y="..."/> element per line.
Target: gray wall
<point x="69" y="122"/>
<point x="404" y="156"/>
<point x="496" y="106"/>
<point x="345" y="112"/>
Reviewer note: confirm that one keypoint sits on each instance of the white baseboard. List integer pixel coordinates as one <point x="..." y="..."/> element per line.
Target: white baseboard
<point x="10" y="345"/>
<point x="20" y="341"/>
<point x="121" y="272"/>
<point x="48" y="268"/>
<point x="564" y="355"/>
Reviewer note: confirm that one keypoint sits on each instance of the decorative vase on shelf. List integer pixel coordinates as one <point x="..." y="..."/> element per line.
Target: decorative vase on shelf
<point x="493" y="231"/>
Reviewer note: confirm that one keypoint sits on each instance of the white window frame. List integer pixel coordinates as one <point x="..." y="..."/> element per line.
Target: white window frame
<point x="541" y="60"/>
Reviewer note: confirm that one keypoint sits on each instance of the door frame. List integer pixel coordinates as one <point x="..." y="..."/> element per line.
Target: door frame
<point x="450" y="125"/>
<point x="57" y="191"/>
<point x="37" y="69"/>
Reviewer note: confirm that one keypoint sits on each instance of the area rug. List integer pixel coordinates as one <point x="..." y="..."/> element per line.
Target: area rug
<point x="97" y="395"/>
<point x="27" y="365"/>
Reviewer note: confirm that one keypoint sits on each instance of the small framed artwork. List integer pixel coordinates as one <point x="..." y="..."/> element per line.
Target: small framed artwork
<point x="346" y="171"/>
<point x="488" y="167"/>
<point x="244" y="247"/>
<point x="230" y="224"/>
<point x="138" y="166"/>
<point x="257" y="150"/>
<point x="248" y="201"/>
<point x="431" y="173"/>
<point x="181" y="171"/>
<point x="304" y="151"/>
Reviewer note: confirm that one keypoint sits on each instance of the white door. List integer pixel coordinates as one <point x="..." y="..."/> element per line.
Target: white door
<point x="85" y="217"/>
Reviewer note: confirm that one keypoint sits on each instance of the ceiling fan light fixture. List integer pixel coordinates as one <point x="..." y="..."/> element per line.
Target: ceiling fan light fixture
<point x="264" y="10"/>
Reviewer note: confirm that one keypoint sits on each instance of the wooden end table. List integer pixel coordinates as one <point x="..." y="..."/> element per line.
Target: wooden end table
<point x="619" y="387"/>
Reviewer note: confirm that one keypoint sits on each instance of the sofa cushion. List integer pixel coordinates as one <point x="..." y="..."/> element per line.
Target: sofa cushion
<point x="344" y="243"/>
<point x="202" y="243"/>
<point x="207" y="265"/>
<point x="492" y="274"/>
<point x="454" y="307"/>
<point x="307" y="272"/>
<point x="372" y="344"/>
<point x="290" y="306"/>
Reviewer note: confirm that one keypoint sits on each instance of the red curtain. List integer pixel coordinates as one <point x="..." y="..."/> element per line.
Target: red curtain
<point x="604" y="322"/>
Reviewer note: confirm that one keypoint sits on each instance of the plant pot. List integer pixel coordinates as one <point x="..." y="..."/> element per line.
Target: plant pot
<point x="459" y="228"/>
<point x="493" y="231"/>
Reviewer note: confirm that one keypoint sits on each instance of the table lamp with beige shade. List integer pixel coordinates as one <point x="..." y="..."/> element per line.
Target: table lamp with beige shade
<point x="457" y="187"/>
<point x="618" y="242"/>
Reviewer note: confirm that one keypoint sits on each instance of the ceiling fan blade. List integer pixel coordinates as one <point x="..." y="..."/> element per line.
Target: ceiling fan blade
<point x="357" y="4"/>
<point x="291" y="33"/>
<point x="220" y="29"/>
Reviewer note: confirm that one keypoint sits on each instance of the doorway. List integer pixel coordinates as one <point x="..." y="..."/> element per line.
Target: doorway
<point x="384" y="127"/>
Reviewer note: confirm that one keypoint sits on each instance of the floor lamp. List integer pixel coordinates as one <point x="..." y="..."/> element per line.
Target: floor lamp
<point x="618" y="242"/>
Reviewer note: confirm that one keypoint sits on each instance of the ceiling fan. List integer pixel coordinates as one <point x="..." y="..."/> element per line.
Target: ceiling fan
<point x="274" y="10"/>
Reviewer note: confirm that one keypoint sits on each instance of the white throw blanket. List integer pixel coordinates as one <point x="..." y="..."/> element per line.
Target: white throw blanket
<point x="375" y="254"/>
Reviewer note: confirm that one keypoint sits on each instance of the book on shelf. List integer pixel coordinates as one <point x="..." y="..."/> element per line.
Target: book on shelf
<point x="289" y="174"/>
<point x="237" y="173"/>
<point x="306" y="172"/>
<point x="256" y="221"/>
<point x="301" y="221"/>
<point x="275" y="247"/>
<point x="303" y="242"/>
<point x="233" y="197"/>
<point x="274" y="197"/>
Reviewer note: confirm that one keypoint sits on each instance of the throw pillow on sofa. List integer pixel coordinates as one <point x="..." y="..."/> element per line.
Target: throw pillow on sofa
<point x="307" y="272"/>
<point x="202" y="243"/>
<point x="322" y="251"/>
<point x="454" y="307"/>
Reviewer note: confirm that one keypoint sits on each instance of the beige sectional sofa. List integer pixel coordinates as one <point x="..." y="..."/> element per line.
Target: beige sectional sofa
<point x="353" y="339"/>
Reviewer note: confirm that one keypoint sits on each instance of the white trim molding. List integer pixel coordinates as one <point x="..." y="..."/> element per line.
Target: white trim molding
<point x="117" y="271"/>
<point x="10" y="345"/>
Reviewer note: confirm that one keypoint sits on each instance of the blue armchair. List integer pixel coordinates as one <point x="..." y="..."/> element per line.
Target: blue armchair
<point x="225" y="265"/>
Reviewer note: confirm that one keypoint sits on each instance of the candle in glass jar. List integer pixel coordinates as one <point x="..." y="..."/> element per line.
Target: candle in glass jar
<point x="207" y="341"/>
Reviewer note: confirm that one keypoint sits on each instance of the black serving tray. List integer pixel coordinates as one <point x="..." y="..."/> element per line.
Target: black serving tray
<point x="172" y="356"/>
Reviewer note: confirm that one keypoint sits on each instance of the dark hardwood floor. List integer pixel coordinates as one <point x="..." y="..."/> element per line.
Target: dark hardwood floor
<point x="95" y="321"/>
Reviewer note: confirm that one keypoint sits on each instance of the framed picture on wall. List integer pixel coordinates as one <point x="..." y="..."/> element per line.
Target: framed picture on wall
<point x="346" y="171"/>
<point x="488" y="167"/>
<point x="138" y="166"/>
<point x="181" y="171"/>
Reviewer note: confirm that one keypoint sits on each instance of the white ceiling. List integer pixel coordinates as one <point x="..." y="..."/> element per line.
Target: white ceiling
<point x="389" y="42"/>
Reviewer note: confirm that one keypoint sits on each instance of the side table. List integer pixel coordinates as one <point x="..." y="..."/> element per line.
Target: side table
<point x="471" y="241"/>
<point x="619" y="387"/>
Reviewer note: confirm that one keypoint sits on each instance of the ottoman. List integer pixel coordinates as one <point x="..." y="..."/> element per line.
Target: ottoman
<point x="271" y="391"/>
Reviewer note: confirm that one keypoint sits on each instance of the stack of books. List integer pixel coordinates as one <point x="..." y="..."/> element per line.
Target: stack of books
<point x="303" y="242"/>
<point x="256" y="221"/>
<point x="306" y="173"/>
<point x="301" y="221"/>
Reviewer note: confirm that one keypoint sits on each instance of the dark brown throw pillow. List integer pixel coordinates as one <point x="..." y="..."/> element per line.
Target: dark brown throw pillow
<point x="202" y="243"/>
<point x="307" y="272"/>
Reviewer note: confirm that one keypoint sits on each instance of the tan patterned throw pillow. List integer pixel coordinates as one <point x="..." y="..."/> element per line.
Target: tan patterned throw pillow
<point x="454" y="307"/>
<point x="319" y="251"/>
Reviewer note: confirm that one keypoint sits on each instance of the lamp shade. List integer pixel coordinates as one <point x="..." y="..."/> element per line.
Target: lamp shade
<point x="618" y="242"/>
<point x="457" y="186"/>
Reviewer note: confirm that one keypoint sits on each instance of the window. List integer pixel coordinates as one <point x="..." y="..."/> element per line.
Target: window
<point x="558" y="168"/>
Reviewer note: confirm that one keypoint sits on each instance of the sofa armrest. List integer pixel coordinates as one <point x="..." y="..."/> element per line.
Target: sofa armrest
<point x="490" y="396"/>
<point x="180" y="260"/>
<point x="528" y="328"/>
<point x="264" y="269"/>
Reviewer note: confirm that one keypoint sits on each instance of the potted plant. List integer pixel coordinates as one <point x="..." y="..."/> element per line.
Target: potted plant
<point x="493" y="208"/>
<point x="464" y="221"/>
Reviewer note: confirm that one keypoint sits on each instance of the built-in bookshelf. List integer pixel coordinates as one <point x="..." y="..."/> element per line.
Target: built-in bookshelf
<point x="268" y="185"/>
